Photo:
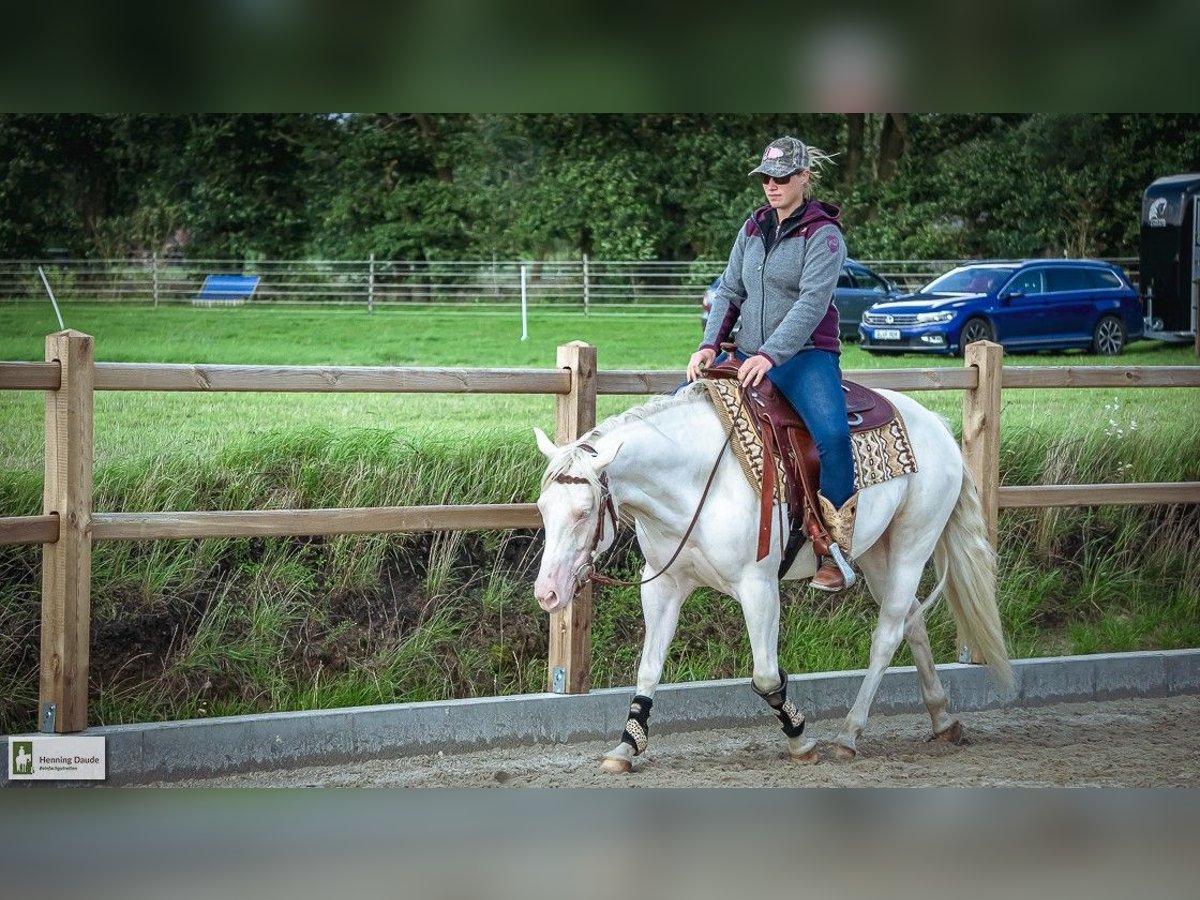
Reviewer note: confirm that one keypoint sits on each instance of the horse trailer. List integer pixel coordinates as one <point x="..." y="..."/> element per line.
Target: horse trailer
<point x="1169" y="270"/>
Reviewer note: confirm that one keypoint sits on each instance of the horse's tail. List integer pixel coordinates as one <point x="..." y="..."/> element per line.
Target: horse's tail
<point x="966" y="564"/>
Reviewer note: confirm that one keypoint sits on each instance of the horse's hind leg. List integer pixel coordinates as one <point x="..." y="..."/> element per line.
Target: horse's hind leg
<point x="945" y="726"/>
<point x="894" y="585"/>
<point x="661" y="602"/>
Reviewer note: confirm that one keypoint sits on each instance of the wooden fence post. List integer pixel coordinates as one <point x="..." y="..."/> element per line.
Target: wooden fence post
<point x="981" y="427"/>
<point x="67" y="563"/>
<point x="981" y="437"/>
<point x="571" y="628"/>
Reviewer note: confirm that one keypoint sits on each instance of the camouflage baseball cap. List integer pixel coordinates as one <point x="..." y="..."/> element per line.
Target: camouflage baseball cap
<point x="783" y="157"/>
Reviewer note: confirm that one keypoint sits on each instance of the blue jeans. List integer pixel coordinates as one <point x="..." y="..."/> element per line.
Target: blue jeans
<point x="812" y="382"/>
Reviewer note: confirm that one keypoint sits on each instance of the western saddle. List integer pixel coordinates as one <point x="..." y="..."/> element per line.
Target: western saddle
<point x="785" y="438"/>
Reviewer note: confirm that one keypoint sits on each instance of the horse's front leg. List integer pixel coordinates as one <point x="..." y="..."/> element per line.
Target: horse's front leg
<point x="661" y="602"/>
<point x="759" y="598"/>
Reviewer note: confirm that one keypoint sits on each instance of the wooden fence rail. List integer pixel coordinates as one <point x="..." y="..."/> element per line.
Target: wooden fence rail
<point x="68" y="526"/>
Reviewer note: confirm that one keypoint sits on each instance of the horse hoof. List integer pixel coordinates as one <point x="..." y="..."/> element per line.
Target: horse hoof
<point x="951" y="735"/>
<point x="615" y="766"/>
<point x="807" y="756"/>
<point x="842" y="753"/>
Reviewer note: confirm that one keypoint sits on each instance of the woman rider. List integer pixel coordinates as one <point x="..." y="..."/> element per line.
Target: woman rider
<point x="779" y="284"/>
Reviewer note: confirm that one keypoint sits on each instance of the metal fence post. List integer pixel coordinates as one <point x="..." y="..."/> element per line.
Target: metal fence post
<point x="67" y="563"/>
<point x="571" y="628"/>
<point x="1196" y="306"/>
<point x="371" y="284"/>
<point x="587" y="292"/>
<point x="154" y="275"/>
<point x="525" y="308"/>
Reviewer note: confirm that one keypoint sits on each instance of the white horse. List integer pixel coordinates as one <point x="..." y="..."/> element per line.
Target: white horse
<point x="650" y="465"/>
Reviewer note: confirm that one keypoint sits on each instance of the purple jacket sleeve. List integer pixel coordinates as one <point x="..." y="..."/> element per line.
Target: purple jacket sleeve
<point x="727" y="303"/>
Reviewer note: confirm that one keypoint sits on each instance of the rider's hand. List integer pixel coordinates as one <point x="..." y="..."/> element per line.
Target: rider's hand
<point x="701" y="359"/>
<point x="753" y="370"/>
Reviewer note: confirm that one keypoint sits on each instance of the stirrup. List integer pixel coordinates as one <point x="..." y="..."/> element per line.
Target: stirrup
<point x="848" y="573"/>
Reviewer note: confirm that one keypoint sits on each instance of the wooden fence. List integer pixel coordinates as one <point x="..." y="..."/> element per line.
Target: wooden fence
<point x="68" y="525"/>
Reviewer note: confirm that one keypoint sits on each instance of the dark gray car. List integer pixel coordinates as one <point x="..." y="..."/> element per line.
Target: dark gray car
<point x="857" y="289"/>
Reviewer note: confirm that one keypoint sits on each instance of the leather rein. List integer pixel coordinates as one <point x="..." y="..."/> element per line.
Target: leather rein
<point x="606" y="502"/>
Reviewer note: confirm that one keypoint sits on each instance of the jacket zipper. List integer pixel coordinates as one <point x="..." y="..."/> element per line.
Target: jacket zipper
<point x="762" y="281"/>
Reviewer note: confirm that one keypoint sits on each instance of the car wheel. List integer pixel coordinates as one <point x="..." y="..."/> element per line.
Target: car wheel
<point x="1109" y="337"/>
<point x="975" y="330"/>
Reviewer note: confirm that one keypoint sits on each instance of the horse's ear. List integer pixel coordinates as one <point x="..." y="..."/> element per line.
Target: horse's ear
<point x="544" y="443"/>
<point x="604" y="457"/>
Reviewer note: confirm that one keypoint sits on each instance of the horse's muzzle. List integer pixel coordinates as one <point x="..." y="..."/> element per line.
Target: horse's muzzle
<point x="550" y="601"/>
<point x="554" y="594"/>
<point x="557" y="589"/>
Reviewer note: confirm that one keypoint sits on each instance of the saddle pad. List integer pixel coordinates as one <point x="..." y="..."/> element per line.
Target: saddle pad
<point x="879" y="454"/>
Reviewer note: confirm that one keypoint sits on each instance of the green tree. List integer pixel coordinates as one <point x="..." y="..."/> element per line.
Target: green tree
<point x="57" y="184"/>
<point x="624" y="186"/>
<point x="388" y="186"/>
<point x="245" y="183"/>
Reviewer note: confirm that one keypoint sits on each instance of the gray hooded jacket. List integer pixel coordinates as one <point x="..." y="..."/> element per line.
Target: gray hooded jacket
<point x="782" y="290"/>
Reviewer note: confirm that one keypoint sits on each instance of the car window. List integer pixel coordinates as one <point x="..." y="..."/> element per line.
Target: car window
<point x="1031" y="282"/>
<point x="1102" y="279"/>
<point x="844" y="280"/>
<point x="969" y="280"/>
<point x="868" y="280"/>
<point x="1067" y="279"/>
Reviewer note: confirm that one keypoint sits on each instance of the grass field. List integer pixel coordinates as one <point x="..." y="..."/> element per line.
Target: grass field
<point x="148" y="425"/>
<point x="186" y="628"/>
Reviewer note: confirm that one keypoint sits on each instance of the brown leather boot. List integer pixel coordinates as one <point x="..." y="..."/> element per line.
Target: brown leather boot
<point x="828" y="578"/>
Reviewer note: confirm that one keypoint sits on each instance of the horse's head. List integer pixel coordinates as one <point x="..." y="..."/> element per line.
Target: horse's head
<point x="578" y="516"/>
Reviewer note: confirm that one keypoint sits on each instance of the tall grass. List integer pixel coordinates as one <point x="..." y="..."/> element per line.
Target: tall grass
<point x="210" y="627"/>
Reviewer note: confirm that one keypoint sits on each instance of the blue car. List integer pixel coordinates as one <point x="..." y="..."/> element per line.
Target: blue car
<point x="1033" y="304"/>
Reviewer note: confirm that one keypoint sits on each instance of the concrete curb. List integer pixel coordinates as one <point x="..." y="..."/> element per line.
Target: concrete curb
<point x="203" y="747"/>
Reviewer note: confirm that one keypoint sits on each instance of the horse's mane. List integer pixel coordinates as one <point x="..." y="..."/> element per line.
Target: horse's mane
<point x="692" y="393"/>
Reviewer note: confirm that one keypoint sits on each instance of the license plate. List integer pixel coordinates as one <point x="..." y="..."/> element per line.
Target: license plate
<point x="887" y="334"/>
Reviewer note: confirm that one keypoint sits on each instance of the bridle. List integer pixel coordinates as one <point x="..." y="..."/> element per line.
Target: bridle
<point x="586" y="570"/>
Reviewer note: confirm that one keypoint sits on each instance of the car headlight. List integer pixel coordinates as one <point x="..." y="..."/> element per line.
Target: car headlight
<point x="934" y="318"/>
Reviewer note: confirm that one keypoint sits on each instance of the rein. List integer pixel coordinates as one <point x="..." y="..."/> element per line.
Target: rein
<point x="607" y="500"/>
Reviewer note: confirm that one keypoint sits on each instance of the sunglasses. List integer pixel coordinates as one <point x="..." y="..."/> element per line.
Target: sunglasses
<point x="784" y="180"/>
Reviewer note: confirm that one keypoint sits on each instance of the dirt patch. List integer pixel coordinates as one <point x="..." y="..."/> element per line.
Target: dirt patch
<point x="1121" y="743"/>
